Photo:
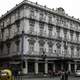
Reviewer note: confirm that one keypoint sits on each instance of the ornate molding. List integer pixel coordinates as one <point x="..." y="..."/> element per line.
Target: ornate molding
<point x="41" y="42"/>
<point x="72" y="47"/>
<point x="65" y="31"/>
<point x="31" y="22"/>
<point x="50" y="43"/>
<point x="71" y="32"/>
<point x="65" y="45"/>
<point x="58" y="29"/>
<point x="31" y="40"/>
<point x="58" y="44"/>
<point x="50" y="27"/>
<point x="41" y="25"/>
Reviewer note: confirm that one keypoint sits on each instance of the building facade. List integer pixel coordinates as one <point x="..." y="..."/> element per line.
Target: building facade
<point x="36" y="39"/>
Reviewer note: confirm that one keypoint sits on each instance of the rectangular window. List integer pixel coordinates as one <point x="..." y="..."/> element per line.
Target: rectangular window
<point x="50" y="33"/>
<point x="31" y="23"/>
<point x="31" y="67"/>
<point x="72" y="52"/>
<point x="41" y="25"/>
<point x="50" y="50"/>
<point x="50" y="19"/>
<point x="41" y="49"/>
<point x="31" y="48"/>
<point x="41" y="16"/>
<point x="32" y="13"/>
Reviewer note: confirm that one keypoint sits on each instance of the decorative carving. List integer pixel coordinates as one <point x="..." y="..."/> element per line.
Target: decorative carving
<point x="71" y="32"/>
<point x="65" y="31"/>
<point x="65" y="45"/>
<point x="60" y="10"/>
<point x="50" y="43"/>
<point x="31" y="41"/>
<point x="72" y="47"/>
<point x="41" y="42"/>
<point x="32" y="13"/>
<point x="50" y="27"/>
<point x="78" y="47"/>
<point x="41" y="25"/>
<point x="31" y="22"/>
<point x="58" y="44"/>
<point x="41" y="16"/>
<point x="58" y="29"/>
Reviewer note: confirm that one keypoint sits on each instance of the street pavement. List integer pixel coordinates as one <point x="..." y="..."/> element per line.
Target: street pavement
<point x="54" y="78"/>
<point x="69" y="78"/>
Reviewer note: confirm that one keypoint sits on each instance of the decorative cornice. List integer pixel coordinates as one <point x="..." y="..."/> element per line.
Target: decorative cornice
<point x="42" y="8"/>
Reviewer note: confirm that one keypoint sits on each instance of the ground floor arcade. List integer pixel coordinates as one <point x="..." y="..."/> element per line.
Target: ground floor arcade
<point x="47" y="66"/>
<point x="43" y="66"/>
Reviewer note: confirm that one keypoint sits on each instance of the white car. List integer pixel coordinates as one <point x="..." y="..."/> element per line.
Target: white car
<point x="77" y="73"/>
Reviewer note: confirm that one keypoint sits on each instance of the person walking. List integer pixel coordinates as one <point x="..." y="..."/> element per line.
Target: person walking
<point x="62" y="75"/>
<point x="66" y="75"/>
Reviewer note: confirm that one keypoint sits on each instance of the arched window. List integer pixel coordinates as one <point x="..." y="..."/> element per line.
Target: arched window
<point x="41" y="46"/>
<point x="31" y="45"/>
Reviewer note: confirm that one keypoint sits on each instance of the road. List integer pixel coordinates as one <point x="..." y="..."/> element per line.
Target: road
<point x="70" y="78"/>
<point x="55" y="78"/>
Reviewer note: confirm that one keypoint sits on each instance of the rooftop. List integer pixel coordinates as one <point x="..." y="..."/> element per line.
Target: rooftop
<point x="59" y="11"/>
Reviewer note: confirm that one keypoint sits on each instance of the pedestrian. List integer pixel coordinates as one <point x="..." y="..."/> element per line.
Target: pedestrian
<point x="66" y="75"/>
<point x="62" y="75"/>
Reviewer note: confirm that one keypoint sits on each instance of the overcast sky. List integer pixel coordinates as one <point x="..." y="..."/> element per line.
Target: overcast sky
<point x="72" y="7"/>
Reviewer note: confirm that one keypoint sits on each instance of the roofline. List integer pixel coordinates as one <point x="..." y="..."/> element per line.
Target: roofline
<point x="11" y="10"/>
<point x="41" y="7"/>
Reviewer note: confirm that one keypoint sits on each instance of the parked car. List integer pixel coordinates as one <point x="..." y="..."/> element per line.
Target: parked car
<point x="77" y="73"/>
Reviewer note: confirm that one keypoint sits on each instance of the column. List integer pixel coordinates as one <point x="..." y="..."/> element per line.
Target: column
<point x="53" y="67"/>
<point x="69" y="67"/>
<point x="36" y="67"/>
<point x="25" y="70"/>
<point x="75" y="67"/>
<point x="46" y="67"/>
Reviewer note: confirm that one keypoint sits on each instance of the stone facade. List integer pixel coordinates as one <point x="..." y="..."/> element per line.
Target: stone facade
<point x="39" y="37"/>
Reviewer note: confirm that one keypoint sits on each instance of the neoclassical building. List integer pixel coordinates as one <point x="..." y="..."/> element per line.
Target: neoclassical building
<point x="35" y="39"/>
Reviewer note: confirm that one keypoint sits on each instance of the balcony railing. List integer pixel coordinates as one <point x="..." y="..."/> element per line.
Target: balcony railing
<point x="44" y="34"/>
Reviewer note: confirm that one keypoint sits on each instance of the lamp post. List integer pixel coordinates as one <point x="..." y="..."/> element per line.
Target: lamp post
<point x="22" y="52"/>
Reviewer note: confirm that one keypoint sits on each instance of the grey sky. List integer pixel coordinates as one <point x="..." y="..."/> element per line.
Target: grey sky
<point x="71" y="6"/>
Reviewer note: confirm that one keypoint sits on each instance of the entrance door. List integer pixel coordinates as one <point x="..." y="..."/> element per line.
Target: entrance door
<point x="41" y="68"/>
<point x="72" y="68"/>
<point x="50" y="67"/>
